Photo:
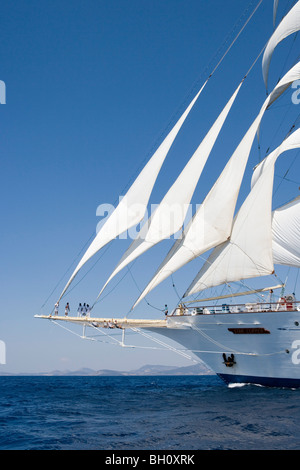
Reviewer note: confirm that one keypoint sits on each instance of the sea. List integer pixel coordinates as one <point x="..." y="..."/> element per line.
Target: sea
<point x="133" y="413"/>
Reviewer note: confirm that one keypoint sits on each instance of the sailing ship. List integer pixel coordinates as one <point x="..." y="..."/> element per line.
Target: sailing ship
<point x="250" y="342"/>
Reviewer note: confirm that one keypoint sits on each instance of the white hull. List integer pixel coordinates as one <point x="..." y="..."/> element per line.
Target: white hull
<point x="265" y="345"/>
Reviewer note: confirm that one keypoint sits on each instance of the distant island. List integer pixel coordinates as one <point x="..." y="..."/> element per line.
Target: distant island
<point x="197" y="369"/>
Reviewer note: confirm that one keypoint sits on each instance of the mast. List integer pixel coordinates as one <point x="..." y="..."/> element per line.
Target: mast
<point x="212" y="223"/>
<point x="132" y="207"/>
<point x="248" y="253"/>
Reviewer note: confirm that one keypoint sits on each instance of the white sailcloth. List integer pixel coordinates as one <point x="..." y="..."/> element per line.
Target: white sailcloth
<point x="290" y="143"/>
<point x="289" y="25"/>
<point x="212" y="223"/>
<point x="286" y="234"/>
<point x="248" y="253"/>
<point x="275" y="8"/>
<point x="169" y="216"/>
<point x="131" y="209"/>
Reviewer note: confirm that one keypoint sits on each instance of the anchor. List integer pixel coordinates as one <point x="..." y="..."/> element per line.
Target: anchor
<point x="229" y="361"/>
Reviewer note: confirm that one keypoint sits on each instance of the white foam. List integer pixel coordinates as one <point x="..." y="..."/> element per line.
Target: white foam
<point x="236" y="385"/>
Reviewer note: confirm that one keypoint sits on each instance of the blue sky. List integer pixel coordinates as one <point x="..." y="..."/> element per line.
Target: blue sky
<point x="91" y="89"/>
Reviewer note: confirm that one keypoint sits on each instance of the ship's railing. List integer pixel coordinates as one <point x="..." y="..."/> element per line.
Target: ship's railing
<point x="238" y="308"/>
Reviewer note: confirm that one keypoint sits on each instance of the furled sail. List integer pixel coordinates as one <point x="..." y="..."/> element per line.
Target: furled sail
<point x="248" y="253"/>
<point x="275" y="8"/>
<point x="289" y="25"/>
<point x="286" y="234"/>
<point x="169" y="216"/>
<point x="212" y="223"/>
<point x="131" y="209"/>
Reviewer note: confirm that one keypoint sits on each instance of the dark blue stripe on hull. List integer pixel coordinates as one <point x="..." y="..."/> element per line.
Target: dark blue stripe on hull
<point x="265" y="381"/>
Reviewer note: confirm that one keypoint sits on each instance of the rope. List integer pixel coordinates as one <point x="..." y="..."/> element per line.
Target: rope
<point x="287" y="171"/>
<point x="296" y="281"/>
<point x="165" y="345"/>
<point x="173" y="284"/>
<point x="120" y="343"/>
<point x="171" y="348"/>
<point x="210" y="75"/>
<point x="237" y="36"/>
<point x="225" y="348"/>
<point x="56" y="286"/>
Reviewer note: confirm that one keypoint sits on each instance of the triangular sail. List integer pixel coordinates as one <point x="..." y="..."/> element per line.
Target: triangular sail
<point x="131" y="209"/>
<point x="169" y="216"/>
<point x="289" y="25"/>
<point x="248" y="253"/>
<point x="212" y="223"/>
<point x="286" y="234"/>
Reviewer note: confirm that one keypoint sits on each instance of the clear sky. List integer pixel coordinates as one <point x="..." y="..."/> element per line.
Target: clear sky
<point x="91" y="88"/>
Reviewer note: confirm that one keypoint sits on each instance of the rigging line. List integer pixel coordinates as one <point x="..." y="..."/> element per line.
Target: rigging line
<point x="274" y="108"/>
<point x="277" y="277"/>
<point x="288" y="56"/>
<point x="56" y="286"/>
<point x="221" y="346"/>
<point x="173" y="284"/>
<point x="279" y="126"/>
<point x="254" y="62"/>
<point x="216" y="343"/>
<point x="258" y="294"/>
<point x="195" y="256"/>
<point x="65" y="328"/>
<point x="116" y="285"/>
<point x="198" y="80"/>
<point x="171" y="348"/>
<point x="286" y="136"/>
<point x="288" y="133"/>
<point x="215" y="68"/>
<point x="106" y="334"/>
<point x="296" y="280"/>
<point x="283" y="178"/>
<point x="120" y="343"/>
<point x="238" y="352"/>
<point x="289" y="105"/>
<point x="99" y="299"/>
<point x="89" y="270"/>
<point x="288" y="180"/>
<point x="258" y="266"/>
<point x="145" y="347"/>
<point x="237" y="36"/>
<point x="80" y="336"/>
<point x="140" y="290"/>
<point x="205" y="260"/>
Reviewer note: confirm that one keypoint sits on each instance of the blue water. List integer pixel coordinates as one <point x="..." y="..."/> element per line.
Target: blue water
<point x="145" y="413"/>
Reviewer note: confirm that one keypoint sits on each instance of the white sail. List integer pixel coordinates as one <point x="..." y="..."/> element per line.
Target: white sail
<point x="169" y="216"/>
<point x="286" y="234"/>
<point x="289" y="25"/>
<point x="212" y="223"/>
<point x="275" y="8"/>
<point x="290" y="143"/>
<point x="249" y="252"/>
<point x="131" y="209"/>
